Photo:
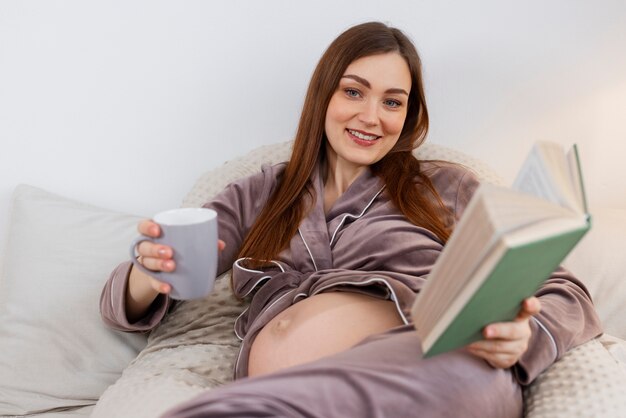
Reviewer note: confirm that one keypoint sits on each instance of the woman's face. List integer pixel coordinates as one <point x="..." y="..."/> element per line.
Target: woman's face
<point x="366" y="113"/>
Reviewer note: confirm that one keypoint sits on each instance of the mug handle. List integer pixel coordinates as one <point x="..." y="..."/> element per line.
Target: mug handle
<point x="133" y="257"/>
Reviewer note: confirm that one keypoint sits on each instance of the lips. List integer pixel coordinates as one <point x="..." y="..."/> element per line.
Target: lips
<point x="362" y="135"/>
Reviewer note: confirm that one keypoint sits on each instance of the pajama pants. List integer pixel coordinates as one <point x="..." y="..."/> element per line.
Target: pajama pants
<point x="383" y="376"/>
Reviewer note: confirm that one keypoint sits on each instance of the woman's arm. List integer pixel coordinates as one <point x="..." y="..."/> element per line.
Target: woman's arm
<point x="134" y="301"/>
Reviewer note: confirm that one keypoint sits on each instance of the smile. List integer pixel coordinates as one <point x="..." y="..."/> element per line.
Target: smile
<point x="362" y="136"/>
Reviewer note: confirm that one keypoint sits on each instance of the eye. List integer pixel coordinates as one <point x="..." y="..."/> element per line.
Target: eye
<point x="354" y="93"/>
<point x="392" y="103"/>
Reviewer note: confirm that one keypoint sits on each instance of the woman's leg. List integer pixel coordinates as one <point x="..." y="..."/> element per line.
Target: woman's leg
<point x="384" y="376"/>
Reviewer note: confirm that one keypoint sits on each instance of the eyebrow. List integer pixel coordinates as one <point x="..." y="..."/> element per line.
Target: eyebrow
<point x="367" y="84"/>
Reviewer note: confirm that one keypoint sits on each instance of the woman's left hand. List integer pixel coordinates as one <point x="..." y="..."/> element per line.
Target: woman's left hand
<point x="505" y="342"/>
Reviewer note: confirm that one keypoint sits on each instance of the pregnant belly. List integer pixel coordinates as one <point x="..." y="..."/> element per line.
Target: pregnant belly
<point x="317" y="327"/>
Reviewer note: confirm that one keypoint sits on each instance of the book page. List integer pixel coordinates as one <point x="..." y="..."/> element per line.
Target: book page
<point x="464" y="250"/>
<point x="577" y="177"/>
<point x="546" y="173"/>
<point x="530" y="180"/>
<point x="511" y="210"/>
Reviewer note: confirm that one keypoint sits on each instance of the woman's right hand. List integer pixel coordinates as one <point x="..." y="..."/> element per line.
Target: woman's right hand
<point x="143" y="289"/>
<point x="155" y="257"/>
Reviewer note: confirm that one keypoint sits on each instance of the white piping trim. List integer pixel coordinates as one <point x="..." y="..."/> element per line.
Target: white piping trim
<point x="237" y="320"/>
<point x="262" y="279"/>
<point x="260" y="313"/>
<point x="543" y="327"/>
<point x="393" y="297"/>
<point x="308" y="249"/>
<point x="255" y="271"/>
<point x="298" y="295"/>
<point x="355" y="216"/>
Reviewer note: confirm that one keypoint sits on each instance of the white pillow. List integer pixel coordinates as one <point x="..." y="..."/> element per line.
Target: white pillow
<point x="55" y="352"/>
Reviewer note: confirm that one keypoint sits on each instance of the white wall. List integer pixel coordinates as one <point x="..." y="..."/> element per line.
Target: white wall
<point x="124" y="104"/>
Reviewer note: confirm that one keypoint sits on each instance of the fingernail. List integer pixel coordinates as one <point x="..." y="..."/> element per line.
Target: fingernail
<point x="161" y="251"/>
<point x="490" y="332"/>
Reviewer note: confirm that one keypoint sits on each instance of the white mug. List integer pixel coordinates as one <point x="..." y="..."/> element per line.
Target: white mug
<point x="192" y="235"/>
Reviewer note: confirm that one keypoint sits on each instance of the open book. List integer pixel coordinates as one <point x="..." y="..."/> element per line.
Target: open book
<point x="506" y="244"/>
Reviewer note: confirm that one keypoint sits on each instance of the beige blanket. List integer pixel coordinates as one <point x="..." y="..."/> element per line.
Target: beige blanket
<point x="194" y="349"/>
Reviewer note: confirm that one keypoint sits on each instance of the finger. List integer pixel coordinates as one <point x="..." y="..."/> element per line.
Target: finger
<point x="517" y="347"/>
<point x="506" y="330"/>
<point x="156" y="264"/>
<point x="221" y="245"/>
<point x="149" y="228"/>
<point x="150" y="249"/>
<point x="159" y="286"/>
<point x="496" y="360"/>
<point x="530" y="307"/>
<point x="498" y="346"/>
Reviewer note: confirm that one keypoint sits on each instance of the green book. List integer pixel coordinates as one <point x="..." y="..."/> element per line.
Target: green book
<point x="506" y="244"/>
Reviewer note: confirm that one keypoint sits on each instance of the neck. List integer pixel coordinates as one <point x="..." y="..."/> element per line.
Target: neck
<point x="338" y="175"/>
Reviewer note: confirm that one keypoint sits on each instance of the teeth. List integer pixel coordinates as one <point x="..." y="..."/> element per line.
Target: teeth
<point x="361" y="136"/>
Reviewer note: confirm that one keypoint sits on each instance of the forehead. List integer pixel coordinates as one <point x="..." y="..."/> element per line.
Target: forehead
<point x="388" y="70"/>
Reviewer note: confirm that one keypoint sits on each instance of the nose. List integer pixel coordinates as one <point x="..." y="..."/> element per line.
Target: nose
<point x="369" y="114"/>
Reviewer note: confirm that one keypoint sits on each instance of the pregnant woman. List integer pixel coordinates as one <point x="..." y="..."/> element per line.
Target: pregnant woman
<point x="332" y="248"/>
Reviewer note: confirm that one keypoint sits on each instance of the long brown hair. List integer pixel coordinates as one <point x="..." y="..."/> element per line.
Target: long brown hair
<point x="408" y="188"/>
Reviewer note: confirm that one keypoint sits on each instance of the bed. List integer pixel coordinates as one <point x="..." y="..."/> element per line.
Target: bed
<point x="58" y="360"/>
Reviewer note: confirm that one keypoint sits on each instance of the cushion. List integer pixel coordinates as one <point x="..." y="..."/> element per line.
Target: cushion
<point x="586" y="382"/>
<point x="56" y="352"/>
<point x="598" y="260"/>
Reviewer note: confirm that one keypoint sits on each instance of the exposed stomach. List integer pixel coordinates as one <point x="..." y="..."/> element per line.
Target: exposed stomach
<point x="317" y="327"/>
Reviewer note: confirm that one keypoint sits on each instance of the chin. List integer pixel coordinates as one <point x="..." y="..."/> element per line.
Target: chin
<point x="364" y="160"/>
